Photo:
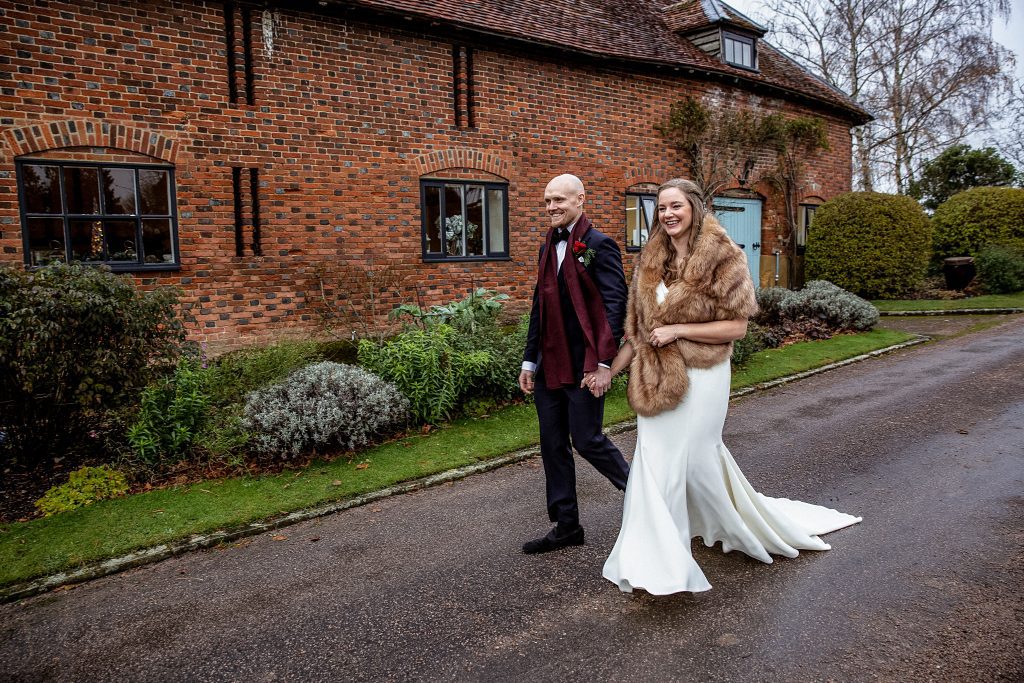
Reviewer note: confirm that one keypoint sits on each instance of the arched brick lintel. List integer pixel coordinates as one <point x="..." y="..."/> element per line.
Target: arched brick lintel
<point x="640" y="174"/>
<point x="461" y="157"/>
<point x="39" y="137"/>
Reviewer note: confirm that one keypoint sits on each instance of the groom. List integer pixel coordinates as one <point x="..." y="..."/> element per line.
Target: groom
<point x="579" y="305"/>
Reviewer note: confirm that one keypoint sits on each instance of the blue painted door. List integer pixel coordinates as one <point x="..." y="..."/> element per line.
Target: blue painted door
<point x="741" y="218"/>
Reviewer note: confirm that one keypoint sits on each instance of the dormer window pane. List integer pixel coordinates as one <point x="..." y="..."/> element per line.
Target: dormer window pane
<point x="738" y="50"/>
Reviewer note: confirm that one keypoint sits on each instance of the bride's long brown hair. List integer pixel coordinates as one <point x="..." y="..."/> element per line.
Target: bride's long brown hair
<point x="660" y="240"/>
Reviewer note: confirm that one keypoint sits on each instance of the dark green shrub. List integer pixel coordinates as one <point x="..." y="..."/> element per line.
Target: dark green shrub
<point x="173" y="411"/>
<point x="74" y="339"/>
<point x="430" y="367"/>
<point x="1000" y="269"/>
<point x="499" y="380"/>
<point x="320" y="405"/>
<point x="233" y="375"/>
<point x="968" y="221"/>
<point x="874" y="245"/>
<point x="84" y="487"/>
<point x="339" y="351"/>
<point x="757" y="339"/>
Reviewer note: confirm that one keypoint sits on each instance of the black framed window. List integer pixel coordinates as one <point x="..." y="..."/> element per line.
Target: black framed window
<point x="639" y="218"/>
<point x="739" y="50"/>
<point x="118" y="214"/>
<point x="806" y="217"/>
<point x="464" y="220"/>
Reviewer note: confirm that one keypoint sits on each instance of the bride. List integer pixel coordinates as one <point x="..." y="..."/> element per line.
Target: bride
<point x="689" y="300"/>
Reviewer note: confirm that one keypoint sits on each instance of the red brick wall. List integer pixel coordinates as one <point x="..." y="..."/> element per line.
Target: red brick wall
<point x="347" y="117"/>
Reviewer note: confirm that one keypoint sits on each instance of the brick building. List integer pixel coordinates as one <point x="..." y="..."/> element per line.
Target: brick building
<point x="281" y="160"/>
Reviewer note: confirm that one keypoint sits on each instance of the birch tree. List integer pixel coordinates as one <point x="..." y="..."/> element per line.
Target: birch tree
<point x="928" y="70"/>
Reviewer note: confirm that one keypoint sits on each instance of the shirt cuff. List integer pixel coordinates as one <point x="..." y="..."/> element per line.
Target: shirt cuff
<point x="531" y="367"/>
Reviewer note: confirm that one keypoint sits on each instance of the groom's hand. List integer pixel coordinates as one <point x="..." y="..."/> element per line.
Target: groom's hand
<point x="526" y="381"/>
<point x="597" y="381"/>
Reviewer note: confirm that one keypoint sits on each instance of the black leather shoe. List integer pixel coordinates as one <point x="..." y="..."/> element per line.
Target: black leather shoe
<point x="553" y="541"/>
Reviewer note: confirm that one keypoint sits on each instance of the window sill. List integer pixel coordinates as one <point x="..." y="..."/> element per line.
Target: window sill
<point x="462" y="259"/>
<point x="123" y="267"/>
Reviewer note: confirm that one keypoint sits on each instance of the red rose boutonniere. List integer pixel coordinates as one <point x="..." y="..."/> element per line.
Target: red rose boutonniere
<point x="583" y="253"/>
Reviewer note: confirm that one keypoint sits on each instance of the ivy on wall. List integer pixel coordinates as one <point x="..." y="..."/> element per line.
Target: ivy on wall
<point x="723" y="147"/>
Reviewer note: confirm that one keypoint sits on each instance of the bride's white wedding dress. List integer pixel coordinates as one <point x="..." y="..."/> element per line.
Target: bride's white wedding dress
<point x="684" y="483"/>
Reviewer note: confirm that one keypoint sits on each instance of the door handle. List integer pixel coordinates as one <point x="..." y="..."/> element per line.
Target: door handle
<point x="757" y="245"/>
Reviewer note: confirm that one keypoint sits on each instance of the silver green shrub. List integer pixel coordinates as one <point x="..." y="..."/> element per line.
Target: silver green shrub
<point x="838" y="308"/>
<point x="320" y="405"/>
<point x="769" y="301"/>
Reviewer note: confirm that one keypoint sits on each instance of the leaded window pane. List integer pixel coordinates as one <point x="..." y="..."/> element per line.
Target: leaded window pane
<point x="45" y="240"/>
<point x="41" y="188"/>
<point x="154" y="192"/>
<point x="496" y="222"/>
<point x="121" y="240"/>
<point x="156" y="240"/>
<point x="432" y="217"/>
<point x="82" y="189"/>
<point x="86" y="240"/>
<point x="454" y="231"/>
<point x="474" y="220"/>
<point x="118" y="191"/>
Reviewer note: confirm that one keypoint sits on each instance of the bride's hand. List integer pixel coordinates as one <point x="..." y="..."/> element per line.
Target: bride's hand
<point x="660" y="336"/>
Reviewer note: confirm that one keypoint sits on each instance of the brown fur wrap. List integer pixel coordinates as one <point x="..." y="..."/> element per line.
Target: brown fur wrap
<point x="715" y="285"/>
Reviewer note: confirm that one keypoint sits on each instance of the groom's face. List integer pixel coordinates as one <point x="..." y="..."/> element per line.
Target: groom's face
<point x="563" y="204"/>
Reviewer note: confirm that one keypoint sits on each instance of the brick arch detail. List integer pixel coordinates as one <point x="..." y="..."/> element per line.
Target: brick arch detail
<point x="40" y="137"/>
<point x="642" y="174"/>
<point x="461" y="157"/>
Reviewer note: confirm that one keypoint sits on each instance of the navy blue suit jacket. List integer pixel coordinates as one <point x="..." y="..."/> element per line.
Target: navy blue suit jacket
<point x="606" y="271"/>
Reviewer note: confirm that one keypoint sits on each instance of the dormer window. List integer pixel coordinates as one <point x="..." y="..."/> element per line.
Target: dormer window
<point x="738" y="50"/>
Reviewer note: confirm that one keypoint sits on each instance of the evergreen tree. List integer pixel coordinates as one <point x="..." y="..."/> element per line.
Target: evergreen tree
<point x="957" y="169"/>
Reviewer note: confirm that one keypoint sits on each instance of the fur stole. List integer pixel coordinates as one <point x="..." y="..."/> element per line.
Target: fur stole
<point x="715" y="285"/>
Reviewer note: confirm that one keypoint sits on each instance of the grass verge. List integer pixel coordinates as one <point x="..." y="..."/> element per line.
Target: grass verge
<point x="1015" y="300"/>
<point x="115" y="527"/>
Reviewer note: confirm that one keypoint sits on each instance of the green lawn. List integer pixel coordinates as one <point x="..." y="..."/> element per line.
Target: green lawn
<point x="115" y="527"/>
<point x="985" y="301"/>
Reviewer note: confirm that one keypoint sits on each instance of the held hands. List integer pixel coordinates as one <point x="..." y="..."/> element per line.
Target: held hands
<point x="660" y="336"/>
<point x="597" y="381"/>
<point x="526" y="381"/>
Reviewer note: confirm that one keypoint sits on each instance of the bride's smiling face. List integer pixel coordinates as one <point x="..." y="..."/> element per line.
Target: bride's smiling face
<point x="674" y="212"/>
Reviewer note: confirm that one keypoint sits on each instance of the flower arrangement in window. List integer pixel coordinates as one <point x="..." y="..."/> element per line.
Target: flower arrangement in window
<point x="454" y="226"/>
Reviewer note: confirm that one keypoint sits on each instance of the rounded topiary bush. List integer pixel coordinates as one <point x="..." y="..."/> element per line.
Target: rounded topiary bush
<point x="319" y="405"/>
<point x="874" y="245"/>
<point x="968" y="221"/>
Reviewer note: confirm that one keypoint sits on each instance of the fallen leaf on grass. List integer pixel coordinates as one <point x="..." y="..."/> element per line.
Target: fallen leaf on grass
<point x="336" y="482"/>
<point x="362" y="465"/>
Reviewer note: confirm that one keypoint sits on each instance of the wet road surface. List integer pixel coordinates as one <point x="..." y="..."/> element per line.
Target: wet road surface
<point x="927" y="445"/>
